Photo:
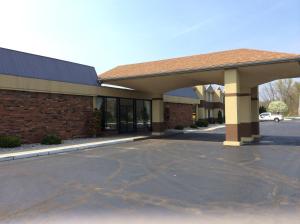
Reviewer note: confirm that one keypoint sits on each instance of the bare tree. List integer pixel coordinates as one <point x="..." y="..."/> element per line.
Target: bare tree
<point x="297" y="90"/>
<point x="299" y="106"/>
<point x="286" y="90"/>
<point x="268" y="92"/>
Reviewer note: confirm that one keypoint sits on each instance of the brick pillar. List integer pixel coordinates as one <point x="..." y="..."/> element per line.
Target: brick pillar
<point x="158" y="124"/>
<point x="237" y="109"/>
<point x="255" y="112"/>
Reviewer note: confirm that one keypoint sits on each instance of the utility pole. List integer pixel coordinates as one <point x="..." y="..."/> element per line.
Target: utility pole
<point x="299" y="106"/>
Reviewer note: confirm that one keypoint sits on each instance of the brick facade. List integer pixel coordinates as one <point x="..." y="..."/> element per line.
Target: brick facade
<point x="178" y="114"/>
<point x="32" y="115"/>
<point x="158" y="126"/>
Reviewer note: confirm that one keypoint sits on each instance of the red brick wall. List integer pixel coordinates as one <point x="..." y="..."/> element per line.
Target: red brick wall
<point x="179" y="114"/>
<point x="32" y="115"/>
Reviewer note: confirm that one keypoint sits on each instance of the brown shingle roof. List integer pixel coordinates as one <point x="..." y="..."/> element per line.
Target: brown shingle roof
<point x="196" y="62"/>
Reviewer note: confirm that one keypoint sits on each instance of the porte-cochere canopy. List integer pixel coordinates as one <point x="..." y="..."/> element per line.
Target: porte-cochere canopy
<point x="255" y="66"/>
<point x="240" y="71"/>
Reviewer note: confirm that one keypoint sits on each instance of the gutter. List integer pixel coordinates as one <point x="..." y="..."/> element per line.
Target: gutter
<point x="221" y="67"/>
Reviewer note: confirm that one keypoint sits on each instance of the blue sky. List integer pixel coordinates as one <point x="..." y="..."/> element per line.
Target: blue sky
<point x="108" y="33"/>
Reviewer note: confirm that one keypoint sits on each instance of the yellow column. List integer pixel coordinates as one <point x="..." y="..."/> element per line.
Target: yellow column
<point x="94" y="102"/>
<point x="158" y="124"/>
<point x="255" y="112"/>
<point x="197" y="112"/>
<point x="237" y="109"/>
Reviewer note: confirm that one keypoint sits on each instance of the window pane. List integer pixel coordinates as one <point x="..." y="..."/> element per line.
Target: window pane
<point x="147" y="117"/>
<point x="143" y="114"/>
<point x="139" y="112"/>
<point x="99" y="102"/>
<point x="111" y="114"/>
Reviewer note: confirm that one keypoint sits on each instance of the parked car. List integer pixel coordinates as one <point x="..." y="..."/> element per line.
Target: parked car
<point x="270" y="117"/>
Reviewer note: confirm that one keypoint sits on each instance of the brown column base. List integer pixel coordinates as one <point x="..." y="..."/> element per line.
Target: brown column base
<point x="255" y="130"/>
<point x="234" y="132"/>
<point x="238" y="134"/>
<point x="158" y="127"/>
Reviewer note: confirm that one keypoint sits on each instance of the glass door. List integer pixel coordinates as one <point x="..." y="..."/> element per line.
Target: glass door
<point x="143" y="115"/>
<point x="126" y="116"/>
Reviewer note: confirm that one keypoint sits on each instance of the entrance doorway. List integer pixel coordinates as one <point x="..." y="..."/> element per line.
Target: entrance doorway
<point x="126" y="115"/>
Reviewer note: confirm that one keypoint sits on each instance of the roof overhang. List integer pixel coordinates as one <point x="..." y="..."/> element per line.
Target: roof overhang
<point x="253" y="74"/>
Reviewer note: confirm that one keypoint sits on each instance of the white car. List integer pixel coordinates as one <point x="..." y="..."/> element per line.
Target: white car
<point x="270" y="117"/>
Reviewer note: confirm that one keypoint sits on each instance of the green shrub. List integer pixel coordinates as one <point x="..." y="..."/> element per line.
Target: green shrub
<point x="51" y="140"/>
<point x="211" y="120"/>
<point x="194" y="126"/>
<point x="220" y="118"/>
<point x="179" y="127"/>
<point x="262" y="109"/>
<point x="9" y="141"/>
<point x="278" y="107"/>
<point x="202" y="123"/>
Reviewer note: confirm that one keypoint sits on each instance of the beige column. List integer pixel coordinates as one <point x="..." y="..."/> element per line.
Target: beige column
<point x="255" y="112"/>
<point x="197" y="112"/>
<point x="201" y="112"/>
<point x="94" y="102"/>
<point x="237" y="109"/>
<point x="158" y="124"/>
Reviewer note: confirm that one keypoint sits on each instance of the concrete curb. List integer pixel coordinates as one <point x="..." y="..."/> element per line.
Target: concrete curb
<point x="65" y="149"/>
<point x="212" y="128"/>
<point x="291" y="118"/>
<point x="208" y="129"/>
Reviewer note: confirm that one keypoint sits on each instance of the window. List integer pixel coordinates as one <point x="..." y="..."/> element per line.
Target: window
<point x="222" y="99"/>
<point x="143" y="114"/>
<point x="123" y="114"/>
<point x="111" y="114"/>
<point x="209" y="97"/>
<point x="99" y="102"/>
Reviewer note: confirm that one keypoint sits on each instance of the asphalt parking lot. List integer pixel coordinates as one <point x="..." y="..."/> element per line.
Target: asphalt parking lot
<point x="188" y="174"/>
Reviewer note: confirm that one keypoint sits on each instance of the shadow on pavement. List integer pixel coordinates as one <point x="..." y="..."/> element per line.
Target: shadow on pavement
<point x="207" y="137"/>
<point x="219" y="137"/>
<point x="279" y="140"/>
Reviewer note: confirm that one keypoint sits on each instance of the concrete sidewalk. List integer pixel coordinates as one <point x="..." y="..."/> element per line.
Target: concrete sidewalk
<point x="6" y="156"/>
<point x="34" y="150"/>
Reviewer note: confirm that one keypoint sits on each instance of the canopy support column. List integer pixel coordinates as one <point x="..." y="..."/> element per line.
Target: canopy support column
<point x="158" y="123"/>
<point x="255" y="113"/>
<point x="238" y="117"/>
